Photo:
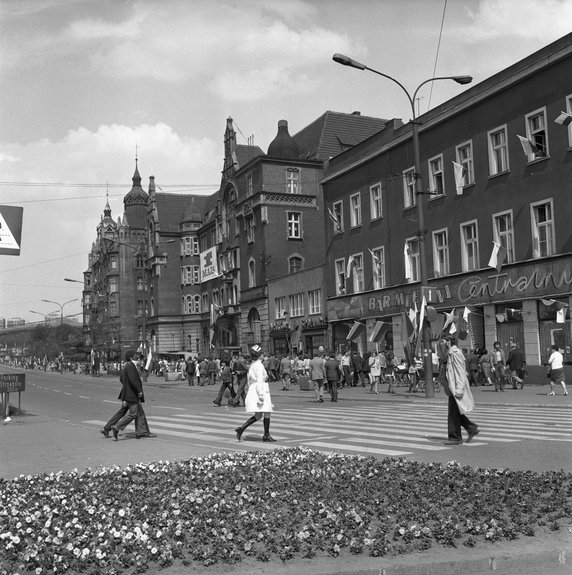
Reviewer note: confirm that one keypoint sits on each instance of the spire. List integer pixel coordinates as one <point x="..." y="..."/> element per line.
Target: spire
<point x="107" y="209"/>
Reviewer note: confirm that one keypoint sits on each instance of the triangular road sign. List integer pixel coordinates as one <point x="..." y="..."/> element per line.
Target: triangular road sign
<point x="10" y="230"/>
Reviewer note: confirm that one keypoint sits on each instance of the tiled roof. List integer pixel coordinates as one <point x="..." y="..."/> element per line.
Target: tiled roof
<point x="173" y="207"/>
<point x="245" y="154"/>
<point x="334" y="132"/>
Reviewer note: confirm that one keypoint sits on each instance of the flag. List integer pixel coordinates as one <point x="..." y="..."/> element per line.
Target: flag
<point x="449" y="318"/>
<point x="412" y="313"/>
<point x="213" y="314"/>
<point x="407" y="261"/>
<point x="501" y="317"/>
<point x="529" y="147"/>
<point x="462" y="325"/>
<point x="149" y="360"/>
<point x="408" y="331"/>
<point x="548" y="302"/>
<point x="497" y="256"/>
<point x="564" y="119"/>
<point x="335" y="219"/>
<point x="350" y="267"/>
<point x="458" y="170"/>
<point x="561" y="315"/>
<point x="376" y="260"/>
<point x="453" y="328"/>
<point x="422" y="313"/>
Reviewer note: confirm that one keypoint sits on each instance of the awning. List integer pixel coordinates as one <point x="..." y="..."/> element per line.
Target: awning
<point x="379" y="330"/>
<point x="357" y="329"/>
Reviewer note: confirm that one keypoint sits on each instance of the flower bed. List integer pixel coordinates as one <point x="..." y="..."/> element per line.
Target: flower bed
<point x="287" y="503"/>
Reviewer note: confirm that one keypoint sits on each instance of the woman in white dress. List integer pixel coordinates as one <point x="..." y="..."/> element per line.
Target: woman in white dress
<point x="258" y="400"/>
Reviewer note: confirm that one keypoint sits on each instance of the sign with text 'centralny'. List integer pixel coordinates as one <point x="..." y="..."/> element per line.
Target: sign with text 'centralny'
<point x="10" y="230"/>
<point x="209" y="265"/>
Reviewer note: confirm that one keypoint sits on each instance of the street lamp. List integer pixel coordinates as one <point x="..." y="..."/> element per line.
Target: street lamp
<point x="61" y="306"/>
<point x="419" y="198"/>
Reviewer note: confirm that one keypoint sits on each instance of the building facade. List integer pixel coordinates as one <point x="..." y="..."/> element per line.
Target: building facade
<point x="495" y="174"/>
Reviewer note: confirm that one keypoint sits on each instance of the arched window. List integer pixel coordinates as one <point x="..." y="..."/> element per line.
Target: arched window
<point x="197" y="304"/>
<point x="251" y="273"/>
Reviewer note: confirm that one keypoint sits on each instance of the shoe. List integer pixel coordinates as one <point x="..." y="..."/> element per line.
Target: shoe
<point x="145" y="435"/>
<point x="565" y="393"/>
<point x="321" y="400"/>
<point x="472" y="434"/>
<point x="551" y="393"/>
<point x="268" y="438"/>
<point x="115" y="432"/>
<point x="239" y="431"/>
<point x="105" y="433"/>
<point x="217" y="403"/>
<point x="454" y="442"/>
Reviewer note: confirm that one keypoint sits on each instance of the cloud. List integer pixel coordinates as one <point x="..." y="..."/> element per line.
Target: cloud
<point x="518" y="19"/>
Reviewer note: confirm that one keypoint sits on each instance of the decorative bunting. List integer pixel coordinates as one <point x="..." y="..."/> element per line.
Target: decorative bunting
<point x="458" y="171"/>
<point x="497" y="256"/>
<point x="564" y="119"/>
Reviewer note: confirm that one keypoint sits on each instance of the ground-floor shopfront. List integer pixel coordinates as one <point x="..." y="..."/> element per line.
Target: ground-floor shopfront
<point x="527" y="304"/>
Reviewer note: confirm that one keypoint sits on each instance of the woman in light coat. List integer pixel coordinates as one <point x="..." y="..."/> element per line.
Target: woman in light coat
<point x="375" y="371"/>
<point x="258" y="400"/>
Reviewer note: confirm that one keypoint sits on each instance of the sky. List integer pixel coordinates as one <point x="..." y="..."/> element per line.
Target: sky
<point x="86" y="85"/>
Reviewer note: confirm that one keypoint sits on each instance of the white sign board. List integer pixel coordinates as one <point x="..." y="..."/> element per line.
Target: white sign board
<point x="209" y="265"/>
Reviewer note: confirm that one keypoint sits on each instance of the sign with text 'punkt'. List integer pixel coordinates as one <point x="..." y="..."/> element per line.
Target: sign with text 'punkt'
<point x="12" y="382"/>
<point x="10" y="230"/>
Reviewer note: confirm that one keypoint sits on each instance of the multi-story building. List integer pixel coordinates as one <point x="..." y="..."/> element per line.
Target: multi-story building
<point x="495" y="174"/>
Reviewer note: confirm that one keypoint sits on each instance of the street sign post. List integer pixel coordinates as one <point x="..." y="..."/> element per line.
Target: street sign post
<point x="10" y="230"/>
<point x="11" y="382"/>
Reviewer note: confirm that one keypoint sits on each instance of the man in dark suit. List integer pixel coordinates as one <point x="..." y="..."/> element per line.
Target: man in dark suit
<point x="141" y="425"/>
<point x="131" y="393"/>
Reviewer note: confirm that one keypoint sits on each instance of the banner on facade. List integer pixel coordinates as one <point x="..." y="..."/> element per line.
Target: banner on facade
<point x="209" y="265"/>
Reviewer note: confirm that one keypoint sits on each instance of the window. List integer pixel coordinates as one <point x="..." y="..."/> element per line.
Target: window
<point x="355" y="210"/>
<point x="250" y="229"/>
<point x="537" y="134"/>
<point x="140" y="308"/>
<point x="186" y="246"/>
<point x="112" y="307"/>
<point x="436" y="183"/>
<point x="409" y="197"/>
<point x="205" y="301"/>
<point x="469" y="246"/>
<point x="113" y="262"/>
<point x="251" y="274"/>
<point x="315" y="301"/>
<point x="296" y="304"/>
<point x="249" y="186"/>
<point x="465" y="159"/>
<point x="503" y="234"/>
<point x="338" y="211"/>
<point x="441" y="253"/>
<point x="378" y="267"/>
<point x="294" y="225"/>
<point x="412" y="260"/>
<point x="195" y="249"/>
<point x="197" y="304"/>
<point x="187" y="305"/>
<point x="280" y="307"/>
<point x="498" y="151"/>
<point x="140" y="261"/>
<point x="542" y="230"/>
<point x="375" y="202"/>
<point x="340" y="277"/>
<point x="293" y="181"/>
<point x="357" y="273"/>
<point x="295" y="264"/>
<point x="140" y="285"/>
<point x="112" y="284"/>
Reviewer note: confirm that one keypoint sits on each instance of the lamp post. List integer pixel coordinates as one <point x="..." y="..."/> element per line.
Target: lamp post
<point x="61" y="306"/>
<point x="419" y="199"/>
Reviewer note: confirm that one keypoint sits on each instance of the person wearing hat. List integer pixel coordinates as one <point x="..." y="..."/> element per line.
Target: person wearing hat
<point x="258" y="400"/>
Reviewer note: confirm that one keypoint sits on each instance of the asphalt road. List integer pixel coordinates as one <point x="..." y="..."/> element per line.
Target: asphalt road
<point x="62" y="414"/>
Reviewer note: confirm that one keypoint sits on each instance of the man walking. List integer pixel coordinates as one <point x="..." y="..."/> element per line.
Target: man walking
<point x="285" y="371"/>
<point x="240" y="370"/>
<point x="460" y="396"/>
<point x="515" y="362"/>
<point x="132" y="396"/>
<point x="318" y="375"/>
<point x="333" y="374"/>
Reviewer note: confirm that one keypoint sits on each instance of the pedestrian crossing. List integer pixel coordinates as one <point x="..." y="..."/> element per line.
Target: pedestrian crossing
<point x="390" y="430"/>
